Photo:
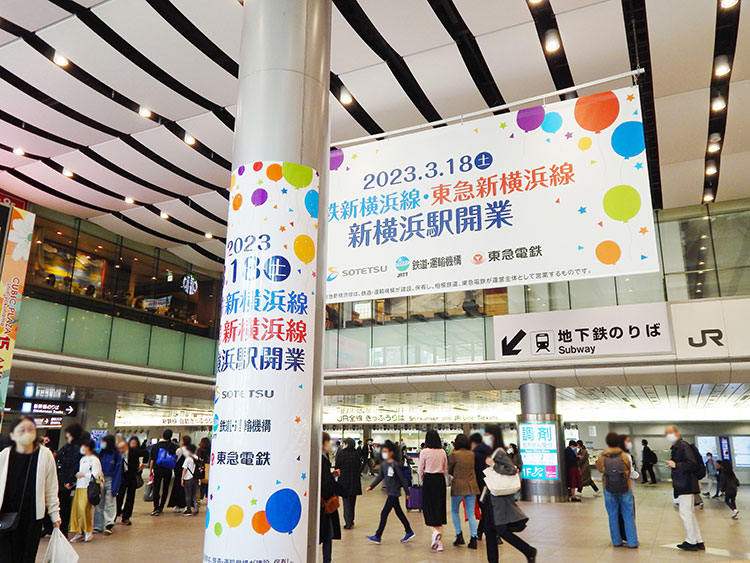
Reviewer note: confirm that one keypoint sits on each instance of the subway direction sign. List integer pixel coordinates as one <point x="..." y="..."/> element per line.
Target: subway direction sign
<point x="43" y="407"/>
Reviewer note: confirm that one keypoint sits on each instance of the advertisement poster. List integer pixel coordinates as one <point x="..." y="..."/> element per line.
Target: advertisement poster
<point x="741" y="450"/>
<point x="538" y="445"/>
<point x="262" y="421"/>
<point x="549" y="193"/>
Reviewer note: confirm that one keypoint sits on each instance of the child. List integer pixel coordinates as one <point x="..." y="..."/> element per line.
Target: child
<point x="390" y="471"/>
<point x="728" y="484"/>
<point x="189" y="482"/>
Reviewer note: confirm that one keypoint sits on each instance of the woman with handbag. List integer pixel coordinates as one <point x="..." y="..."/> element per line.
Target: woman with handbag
<point x="501" y="513"/>
<point x="28" y="487"/>
<point x="330" y="525"/>
<point x="88" y="480"/>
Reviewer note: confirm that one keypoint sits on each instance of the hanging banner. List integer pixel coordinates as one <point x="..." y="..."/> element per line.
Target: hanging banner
<point x="549" y="193"/>
<point x="262" y="423"/>
<point x="17" y="230"/>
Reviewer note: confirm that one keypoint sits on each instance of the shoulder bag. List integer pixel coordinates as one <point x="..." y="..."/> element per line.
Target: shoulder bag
<point x="330" y="505"/>
<point x="94" y="492"/>
<point x="499" y="484"/>
<point x="9" y="520"/>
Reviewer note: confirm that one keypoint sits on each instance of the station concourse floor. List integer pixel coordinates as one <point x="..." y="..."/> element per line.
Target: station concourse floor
<point x="569" y="532"/>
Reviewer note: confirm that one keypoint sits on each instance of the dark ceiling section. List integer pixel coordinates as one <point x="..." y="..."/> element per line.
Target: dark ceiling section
<point x="361" y="24"/>
<point x="354" y="108"/>
<point x="725" y="45"/>
<point x="545" y="21"/>
<point x="636" y="30"/>
<point x="454" y="24"/>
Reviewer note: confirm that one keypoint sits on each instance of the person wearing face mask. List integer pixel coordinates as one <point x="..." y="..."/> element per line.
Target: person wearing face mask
<point x="112" y="464"/>
<point x="177" y="497"/>
<point x="433" y="465"/>
<point x="67" y="466"/>
<point x="30" y="476"/>
<point x="687" y="470"/>
<point x="82" y="515"/>
<point x="573" y="471"/>
<point x="330" y="489"/>
<point x="348" y="462"/>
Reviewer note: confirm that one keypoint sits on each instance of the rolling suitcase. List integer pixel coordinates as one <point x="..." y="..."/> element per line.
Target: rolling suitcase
<point x="414" y="502"/>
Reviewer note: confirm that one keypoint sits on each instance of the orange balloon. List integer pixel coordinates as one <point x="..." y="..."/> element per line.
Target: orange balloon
<point x="260" y="522"/>
<point x="236" y="202"/>
<point x="597" y="111"/>
<point x="608" y="252"/>
<point x="274" y="172"/>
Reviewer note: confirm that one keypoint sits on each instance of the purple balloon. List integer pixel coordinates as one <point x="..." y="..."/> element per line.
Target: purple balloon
<point x="337" y="158"/>
<point x="259" y="197"/>
<point x="530" y="118"/>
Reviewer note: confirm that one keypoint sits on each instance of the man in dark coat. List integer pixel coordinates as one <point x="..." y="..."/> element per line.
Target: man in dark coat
<point x="330" y="526"/>
<point x="349" y="463"/>
<point x="68" y="458"/>
<point x="481" y="453"/>
<point x="684" y="465"/>
<point x="649" y="459"/>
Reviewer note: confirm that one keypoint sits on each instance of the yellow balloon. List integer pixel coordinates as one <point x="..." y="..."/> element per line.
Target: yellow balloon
<point x="234" y="516"/>
<point x="304" y="248"/>
<point x="584" y="143"/>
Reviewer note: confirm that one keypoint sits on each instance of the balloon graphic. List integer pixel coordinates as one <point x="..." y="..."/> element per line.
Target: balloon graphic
<point x="622" y="203"/>
<point x="208" y="517"/>
<point x="337" y="158"/>
<point x="236" y="202"/>
<point x="530" y="118"/>
<point x="297" y="175"/>
<point x="232" y="181"/>
<point x="311" y="203"/>
<point x="257" y="166"/>
<point x="584" y="143"/>
<point x="234" y="516"/>
<point x="259" y="197"/>
<point x="260" y="522"/>
<point x="283" y="511"/>
<point x="597" y="111"/>
<point x="552" y="122"/>
<point x="217" y="529"/>
<point x="608" y="252"/>
<point x="628" y="140"/>
<point x="304" y="248"/>
<point x="274" y="172"/>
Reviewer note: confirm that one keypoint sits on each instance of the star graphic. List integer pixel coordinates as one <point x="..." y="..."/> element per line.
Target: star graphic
<point x="630" y="97"/>
<point x="638" y="165"/>
<point x="569" y="135"/>
<point x="250" y="487"/>
<point x="284" y="190"/>
<point x="643" y="230"/>
<point x="503" y="125"/>
<point x="254" y="501"/>
<point x="582" y="210"/>
<point x="304" y="476"/>
<point x="354" y="156"/>
<point x="282" y="228"/>
<point x="476" y="130"/>
<point x="260" y="181"/>
<point x="297" y="419"/>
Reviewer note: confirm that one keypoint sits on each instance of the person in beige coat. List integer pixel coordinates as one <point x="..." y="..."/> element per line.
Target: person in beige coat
<point x="464" y="488"/>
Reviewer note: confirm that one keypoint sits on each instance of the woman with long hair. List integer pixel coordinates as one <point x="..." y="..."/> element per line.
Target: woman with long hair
<point x="433" y="465"/>
<point x="30" y="476"/>
<point x="112" y="465"/>
<point x="82" y="515"/>
<point x="728" y="484"/>
<point x="177" y="496"/>
<point x="463" y="489"/>
<point x="501" y="514"/>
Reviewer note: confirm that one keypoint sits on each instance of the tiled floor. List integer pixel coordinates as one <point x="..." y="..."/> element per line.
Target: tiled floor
<point x="567" y="532"/>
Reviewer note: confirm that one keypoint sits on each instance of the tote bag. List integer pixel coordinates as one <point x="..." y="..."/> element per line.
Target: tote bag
<point x="501" y="485"/>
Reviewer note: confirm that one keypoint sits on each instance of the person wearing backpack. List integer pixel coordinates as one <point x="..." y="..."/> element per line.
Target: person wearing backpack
<point x="615" y="466"/>
<point x="687" y="471"/>
<point x="649" y="459"/>
<point x="161" y="463"/>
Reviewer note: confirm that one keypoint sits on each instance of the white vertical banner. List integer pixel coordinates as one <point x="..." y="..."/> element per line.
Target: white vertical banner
<point x="260" y="455"/>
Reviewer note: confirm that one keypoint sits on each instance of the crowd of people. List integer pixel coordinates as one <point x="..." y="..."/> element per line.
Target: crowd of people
<point x="84" y="487"/>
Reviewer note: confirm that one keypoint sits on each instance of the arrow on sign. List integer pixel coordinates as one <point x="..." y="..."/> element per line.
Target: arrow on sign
<point x="509" y="348"/>
<point x="69" y="409"/>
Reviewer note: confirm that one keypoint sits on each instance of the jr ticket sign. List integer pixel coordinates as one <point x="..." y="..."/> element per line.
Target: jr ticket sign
<point x="549" y="193"/>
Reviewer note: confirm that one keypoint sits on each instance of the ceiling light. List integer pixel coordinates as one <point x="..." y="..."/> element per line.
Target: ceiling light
<point x="721" y="65"/>
<point x="700" y="272"/>
<point x="39" y="242"/>
<point x="136" y="259"/>
<point x="726" y="4"/>
<point x="189" y="139"/>
<point x="714" y="147"/>
<point x="59" y="233"/>
<point x="535" y="1"/>
<point x="144" y="112"/>
<point x="704" y="236"/>
<point x="345" y="97"/>
<point x="164" y="215"/>
<point x="100" y="247"/>
<point x="699" y="291"/>
<point x="68" y="173"/>
<point x="701" y="263"/>
<point x="699" y="283"/>
<point x="59" y="60"/>
<point x="19" y="151"/>
<point x="708" y="197"/>
<point x="711" y="168"/>
<point x="718" y="103"/>
<point x="551" y="40"/>
<point x="703" y="248"/>
<point x="208" y="235"/>
<point x="129" y="200"/>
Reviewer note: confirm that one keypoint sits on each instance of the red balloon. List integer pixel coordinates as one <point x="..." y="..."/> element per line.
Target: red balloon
<point x="597" y="111"/>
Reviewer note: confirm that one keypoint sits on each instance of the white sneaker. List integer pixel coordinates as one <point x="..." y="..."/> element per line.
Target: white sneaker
<point x="735" y="514"/>
<point x="598" y="494"/>
<point x="440" y="546"/>
<point x="88" y="537"/>
<point x="77" y="538"/>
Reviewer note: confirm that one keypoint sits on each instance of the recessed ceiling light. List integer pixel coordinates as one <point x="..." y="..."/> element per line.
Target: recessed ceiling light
<point x="721" y="65"/>
<point x="208" y="235"/>
<point x="701" y="263"/>
<point x="726" y="4"/>
<point x="700" y="272"/>
<point x="189" y="139"/>
<point x="711" y="168"/>
<point x="718" y="103"/>
<point x="129" y="200"/>
<point x="345" y="97"/>
<point x="714" y="147"/>
<point x="699" y="283"/>
<point x="61" y="61"/>
<point x="551" y="40"/>
<point x="535" y="1"/>
<point x="59" y="233"/>
<point x="100" y="247"/>
<point x="164" y="215"/>
<point x="703" y="248"/>
<point x="68" y="173"/>
<point x="19" y="151"/>
<point x="39" y="242"/>
<point x="708" y="197"/>
<point x="144" y="112"/>
<point x="135" y="258"/>
<point x="704" y="236"/>
<point x="699" y="291"/>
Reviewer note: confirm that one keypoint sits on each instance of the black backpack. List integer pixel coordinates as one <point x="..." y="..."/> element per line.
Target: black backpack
<point x="700" y="467"/>
<point x="614" y="469"/>
<point x="200" y="469"/>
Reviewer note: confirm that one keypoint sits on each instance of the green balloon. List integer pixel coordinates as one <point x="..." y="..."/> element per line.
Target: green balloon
<point x="297" y="175"/>
<point x="622" y="203"/>
<point x="217" y="529"/>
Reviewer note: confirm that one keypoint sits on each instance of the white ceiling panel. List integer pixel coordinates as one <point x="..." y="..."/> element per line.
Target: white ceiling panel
<point x="348" y="51"/>
<point x="25" y="62"/>
<point x="31" y="14"/>
<point x="343" y="125"/>
<point x="196" y="258"/>
<point x="98" y="58"/>
<point x="6" y="37"/>
<point x="382" y="96"/>
<point x="20" y="138"/>
<point x="179" y="210"/>
<point x="681" y="36"/>
<point x="450" y="97"/>
<point x="147" y="31"/>
<point x="733" y="182"/>
<point x="395" y="20"/>
<point x="741" y="70"/>
<point x="517" y="62"/>
<point x="116" y="225"/>
<point x="209" y="130"/>
<point x="23" y="190"/>
<point x="682" y="183"/>
<point x="220" y="21"/>
<point x="565" y="6"/>
<point x="213" y="202"/>
<point x="737" y="137"/>
<point x="682" y="125"/>
<point x="153" y="221"/>
<point x="13" y="161"/>
<point x="486" y="17"/>
<point x="170" y="147"/>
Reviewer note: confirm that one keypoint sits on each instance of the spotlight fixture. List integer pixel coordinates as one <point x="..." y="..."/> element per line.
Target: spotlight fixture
<point x="19" y="151"/>
<point x="726" y="4"/>
<point x="189" y="139"/>
<point x="345" y="97"/>
<point x="208" y="235"/>
<point x="551" y="40"/>
<point x="708" y="197"/>
<point x="721" y="65"/>
<point x="711" y="168"/>
<point x="164" y="215"/>
<point x="718" y="103"/>
<point x="144" y="112"/>
<point x="60" y="61"/>
<point x="129" y="200"/>
<point x="714" y="142"/>
<point x="67" y="173"/>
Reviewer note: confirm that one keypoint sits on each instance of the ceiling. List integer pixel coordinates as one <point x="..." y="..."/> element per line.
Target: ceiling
<point x="404" y="63"/>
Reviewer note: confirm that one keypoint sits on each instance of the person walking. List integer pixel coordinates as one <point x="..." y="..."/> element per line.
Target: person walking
<point x="584" y="463"/>
<point x="330" y="525"/>
<point x="348" y="463"/>
<point x="481" y="452"/>
<point x="686" y="467"/>
<point x="573" y="471"/>
<point x="177" y="496"/>
<point x="29" y="475"/>
<point x="502" y="515"/>
<point x="112" y="465"/>
<point x="162" y="461"/>
<point x="189" y="480"/>
<point x="712" y="473"/>
<point x="82" y="515"/>
<point x="433" y="466"/>
<point x="728" y="484"/>
<point x="648" y="460"/>
<point x="67" y="466"/>
<point x="464" y="488"/>
<point x="391" y="473"/>
<point x="615" y="466"/>
<point x="131" y="469"/>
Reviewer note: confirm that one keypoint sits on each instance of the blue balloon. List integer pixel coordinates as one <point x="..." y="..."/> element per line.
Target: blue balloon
<point x="628" y="140"/>
<point x="283" y="511"/>
<point x="311" y="203"/>
<point x="208" y="517"/>
<point x="552" y="122"/>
